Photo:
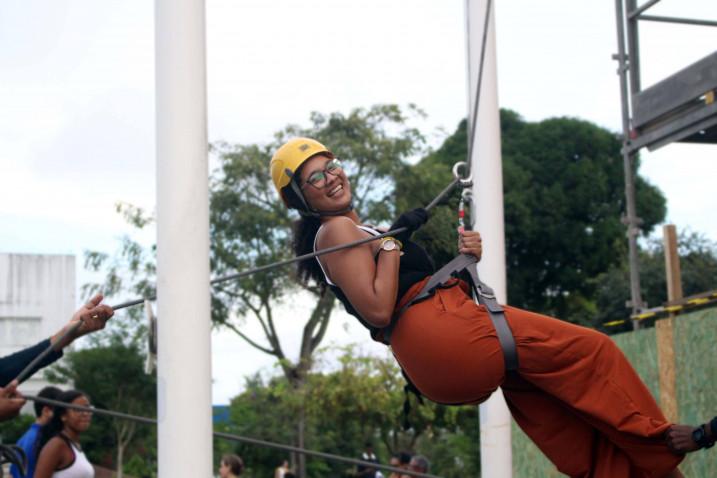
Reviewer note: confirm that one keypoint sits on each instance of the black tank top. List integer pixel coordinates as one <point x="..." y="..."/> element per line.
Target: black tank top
<point x="415" y="265"/>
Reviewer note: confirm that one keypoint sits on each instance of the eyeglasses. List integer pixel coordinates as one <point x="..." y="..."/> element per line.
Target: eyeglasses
<point x="319" y="179"/>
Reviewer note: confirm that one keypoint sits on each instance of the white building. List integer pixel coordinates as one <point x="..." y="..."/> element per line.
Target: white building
<point x="37" y="297"/>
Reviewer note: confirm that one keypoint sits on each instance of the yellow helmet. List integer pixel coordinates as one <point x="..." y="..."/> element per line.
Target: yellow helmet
<point x="289" y="157"/>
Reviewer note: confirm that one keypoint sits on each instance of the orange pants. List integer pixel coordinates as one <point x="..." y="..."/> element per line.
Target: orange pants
<point x="575" y="394"/>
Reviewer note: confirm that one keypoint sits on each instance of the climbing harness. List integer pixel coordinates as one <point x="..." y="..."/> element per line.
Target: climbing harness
<point x="484" y="295"/>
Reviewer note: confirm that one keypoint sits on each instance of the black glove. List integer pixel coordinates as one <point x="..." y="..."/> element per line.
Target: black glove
<point x="411" y="220"/>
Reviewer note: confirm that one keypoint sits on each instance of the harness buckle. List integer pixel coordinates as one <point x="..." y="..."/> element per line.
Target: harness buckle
<point x="488" y="294"/>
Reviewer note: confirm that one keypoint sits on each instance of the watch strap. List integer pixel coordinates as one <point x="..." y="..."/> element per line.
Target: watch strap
<point x="699" y="435"/>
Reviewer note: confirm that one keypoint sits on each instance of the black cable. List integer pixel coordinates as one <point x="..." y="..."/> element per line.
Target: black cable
<point x="304" y="257"/>
<point x="229" y="436"/>
<point x="474" y="114"/>
<point x="26" y="371"/>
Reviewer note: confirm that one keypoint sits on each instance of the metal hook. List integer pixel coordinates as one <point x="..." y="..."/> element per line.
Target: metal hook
<point x="466" y="182"/>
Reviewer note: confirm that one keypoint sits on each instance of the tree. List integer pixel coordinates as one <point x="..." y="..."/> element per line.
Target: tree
<point x="563" y="196"/>
<point x="361" y="400"/>
<point x="112" y="375"/>
<point x="250" y="227"/>
<point x="12" y="430"/>
<point x="698" y="264"/>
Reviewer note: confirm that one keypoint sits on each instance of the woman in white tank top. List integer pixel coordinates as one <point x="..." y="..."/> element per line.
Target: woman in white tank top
<point x="61" y="454"/>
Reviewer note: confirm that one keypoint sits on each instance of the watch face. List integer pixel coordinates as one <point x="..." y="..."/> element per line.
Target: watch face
<point x="389" y="245"/>
<point x="698" y="434"/>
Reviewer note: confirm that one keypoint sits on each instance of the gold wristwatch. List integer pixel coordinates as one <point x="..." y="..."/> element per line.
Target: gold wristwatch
<point x="389" y="243"/>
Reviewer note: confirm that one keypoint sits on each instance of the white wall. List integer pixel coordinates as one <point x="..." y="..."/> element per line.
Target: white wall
<point x="37" y="297"/>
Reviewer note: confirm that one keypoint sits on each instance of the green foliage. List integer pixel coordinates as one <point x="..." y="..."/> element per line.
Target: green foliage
<point x="113" y="377"/>
<point x="129" y="273"/>
<point x="564" y="190"/>
<point x="362" y="400"/>
<point x="250" y="227"/>
<point x="12" y="430"/>
<point x="698" y="264"/>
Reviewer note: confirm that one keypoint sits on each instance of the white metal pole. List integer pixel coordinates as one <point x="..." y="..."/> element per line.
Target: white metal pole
<point x="183" y="301"/>
<point x="486" y="167"/>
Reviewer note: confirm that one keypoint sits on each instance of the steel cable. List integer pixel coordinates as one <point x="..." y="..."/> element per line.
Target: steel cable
<point x="442" y="195"/>
<point x="232" y="437"/>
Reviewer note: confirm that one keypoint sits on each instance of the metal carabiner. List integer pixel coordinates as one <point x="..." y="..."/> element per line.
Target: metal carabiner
<point x="465" y="182"/>
<point x="466" y="198"/>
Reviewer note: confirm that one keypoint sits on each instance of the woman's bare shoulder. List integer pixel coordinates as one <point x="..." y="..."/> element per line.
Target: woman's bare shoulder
<point x="55" y="443"/>
<point x="338" y="230"/>
<point x="53" y="451"/>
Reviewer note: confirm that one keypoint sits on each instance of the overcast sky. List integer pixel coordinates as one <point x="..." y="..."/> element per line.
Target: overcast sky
<point x="77" y="98"/>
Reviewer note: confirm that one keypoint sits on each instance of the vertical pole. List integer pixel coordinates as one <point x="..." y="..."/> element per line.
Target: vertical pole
<point x="672" y="263"/>
<point x="664" y="328"/>
<point x="486" y="168"/>
<point x="633" y="48"/>
<point x="184" y="355"/>
<point x="631" y="220"/>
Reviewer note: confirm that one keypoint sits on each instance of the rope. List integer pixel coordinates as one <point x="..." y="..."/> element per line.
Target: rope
<point x="229" y="436"/>
<point x="457" y="180"/>
<point x="474" y="114"/>
<point x="304" y="257"/>
<point x="465" y="182"/>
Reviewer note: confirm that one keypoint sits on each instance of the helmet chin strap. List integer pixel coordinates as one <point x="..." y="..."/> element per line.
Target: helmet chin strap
<point x="308" y="211"/>
<point x="315" y="213"/>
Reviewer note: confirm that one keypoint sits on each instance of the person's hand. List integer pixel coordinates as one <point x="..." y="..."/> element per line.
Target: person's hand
<point x="470" y="242"/>
<point x="679" y="439"/>
<point x="411" y="220"/>
<point x="11" y="401"/>
<point x="92" y="317"/>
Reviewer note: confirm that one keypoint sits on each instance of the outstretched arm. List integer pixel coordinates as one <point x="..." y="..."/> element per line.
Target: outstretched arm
<point x="92" y="316"/>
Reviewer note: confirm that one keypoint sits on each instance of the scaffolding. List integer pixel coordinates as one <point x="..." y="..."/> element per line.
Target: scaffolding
<point x="680" y="108"/>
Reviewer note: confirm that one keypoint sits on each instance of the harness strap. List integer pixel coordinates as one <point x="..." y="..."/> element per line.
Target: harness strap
<point x="485" y="297"/>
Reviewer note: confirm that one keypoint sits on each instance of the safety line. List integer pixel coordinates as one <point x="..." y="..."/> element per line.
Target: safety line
<point x="474" y="114"/>
<point x="229" y="436"/>
<point x="304" y="257"/>
<point x="456" y="180"/>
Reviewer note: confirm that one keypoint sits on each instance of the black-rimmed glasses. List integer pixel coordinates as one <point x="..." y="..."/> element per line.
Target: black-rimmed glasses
<point x="319" y="179"/>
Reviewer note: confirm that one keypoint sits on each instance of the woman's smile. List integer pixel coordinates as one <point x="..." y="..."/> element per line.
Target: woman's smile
<point x="336" y="190"/>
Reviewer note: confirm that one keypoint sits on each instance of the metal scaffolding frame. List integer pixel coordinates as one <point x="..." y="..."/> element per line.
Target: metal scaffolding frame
<point x="681" y="108"/>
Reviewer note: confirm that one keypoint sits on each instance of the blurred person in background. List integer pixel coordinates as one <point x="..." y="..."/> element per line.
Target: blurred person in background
<point x="30" y="441"/>
<point x="61" y="454"/>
